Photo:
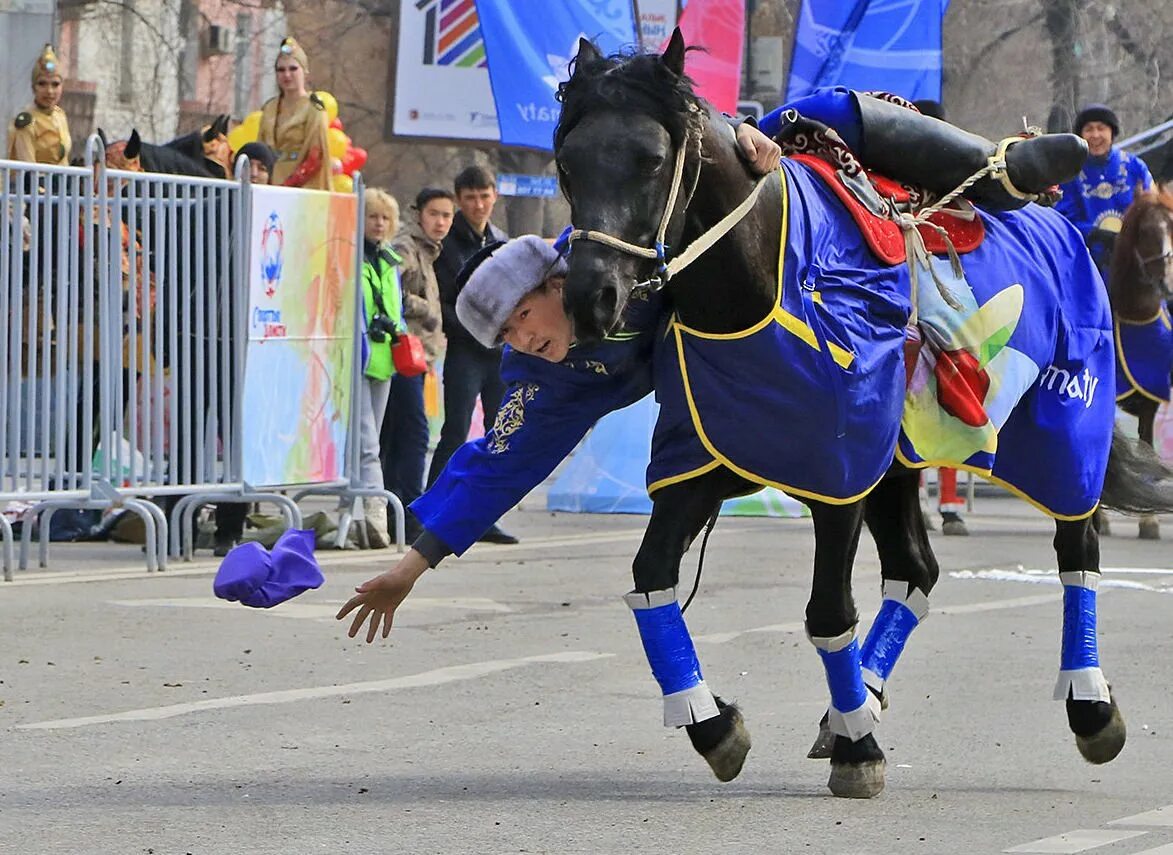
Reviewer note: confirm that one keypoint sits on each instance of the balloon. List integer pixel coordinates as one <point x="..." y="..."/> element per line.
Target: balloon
<point x="336" y="166"/>
<point x="343" y="184"/>
<point x="330" y="103"/>
<point x="337" y="123"/>
<point x="339" y="142"/>
<point x="246" y="131"/>
<point x="358" y="157"/>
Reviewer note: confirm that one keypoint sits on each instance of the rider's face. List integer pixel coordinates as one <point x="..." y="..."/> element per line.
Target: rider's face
<point x="1099" y="138"/>
<point x="539" y="325"/>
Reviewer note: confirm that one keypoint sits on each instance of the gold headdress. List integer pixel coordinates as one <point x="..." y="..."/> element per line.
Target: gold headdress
<point x="46" y="64"/>
<point x="290" y="48"/>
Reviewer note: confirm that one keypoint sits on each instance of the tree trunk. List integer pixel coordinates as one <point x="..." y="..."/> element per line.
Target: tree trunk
<point x="1061" y="19"/>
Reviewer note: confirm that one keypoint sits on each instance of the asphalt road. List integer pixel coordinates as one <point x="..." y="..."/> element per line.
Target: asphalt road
<point x="512" y="709"/>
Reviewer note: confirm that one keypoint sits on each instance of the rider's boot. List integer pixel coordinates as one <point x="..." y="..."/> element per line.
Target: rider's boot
<point x="909" y="147"/>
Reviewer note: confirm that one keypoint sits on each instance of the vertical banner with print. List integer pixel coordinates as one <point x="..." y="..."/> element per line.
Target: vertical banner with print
<point x="894" y="46"/>
<point x="441" y="73"/>
<point x="301" y="315"/>
<point x="718" y="26"/>
<point x="530" y="44"/>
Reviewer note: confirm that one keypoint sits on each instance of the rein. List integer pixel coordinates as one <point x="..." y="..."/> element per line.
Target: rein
<point x="668" y="269"/>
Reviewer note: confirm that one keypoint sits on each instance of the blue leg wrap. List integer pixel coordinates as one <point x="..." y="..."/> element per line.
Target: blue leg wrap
<point x="672" y="657"/>
<point x="854" y="710"/>
<point x="894" y="623"/>
<point x="1079" y="662"/>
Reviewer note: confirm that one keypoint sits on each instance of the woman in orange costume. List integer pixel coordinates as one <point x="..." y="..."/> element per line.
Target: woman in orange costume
<point x="294" y="124"/>
<point x="40" y="134"/>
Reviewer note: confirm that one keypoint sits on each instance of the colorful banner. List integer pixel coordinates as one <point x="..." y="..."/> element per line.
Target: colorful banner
<point x="530" y="44"/>
<point x="894" y="46"/>
<point x="441" y="75"/>
<point x="718" y="26"/>
<point x="301" y="316"/>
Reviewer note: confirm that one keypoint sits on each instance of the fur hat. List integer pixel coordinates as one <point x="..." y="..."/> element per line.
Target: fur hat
<point x="46" y="63"/>
<point x="499" y="279"/>
<point x="260" y="152"/>
<point x="1097" y="113"/>
<point x="262" y="579"/>
<point x="290" y="47"/>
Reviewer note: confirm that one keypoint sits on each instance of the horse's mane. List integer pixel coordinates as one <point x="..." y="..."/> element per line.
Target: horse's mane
<point x="632" y="83"/>
<point x="1125" y="264"/>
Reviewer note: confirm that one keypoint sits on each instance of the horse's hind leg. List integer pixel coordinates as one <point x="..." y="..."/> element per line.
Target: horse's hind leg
<point x="857" y="763"/>
<point x="909" y="570"/>
<point x="715" y="728"/>
<point x="1092" y="713"/>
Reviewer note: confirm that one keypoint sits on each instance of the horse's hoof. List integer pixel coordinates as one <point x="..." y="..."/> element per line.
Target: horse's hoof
<point x="954" y="528"/>
<point x="1103" y="746"/>
<point x="821" y="750"/>
<point x="723" y="741"/>
<point x="1150" y="528"/>
<point x="857" y="780"/>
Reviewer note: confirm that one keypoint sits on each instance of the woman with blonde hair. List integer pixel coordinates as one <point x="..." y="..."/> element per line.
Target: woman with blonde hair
<point x="383" y="313"/>
<point x="294" y="124"/>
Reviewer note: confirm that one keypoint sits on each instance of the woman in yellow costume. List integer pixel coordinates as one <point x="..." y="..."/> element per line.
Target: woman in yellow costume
<point x="294" y="125"/>
<point x="40" y="134"/>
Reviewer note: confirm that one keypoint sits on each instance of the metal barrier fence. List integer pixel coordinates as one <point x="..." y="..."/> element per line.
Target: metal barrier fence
<point x="123" y="351"/>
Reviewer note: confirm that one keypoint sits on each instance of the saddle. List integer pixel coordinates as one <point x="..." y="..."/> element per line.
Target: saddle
<point x="872" y="201"/>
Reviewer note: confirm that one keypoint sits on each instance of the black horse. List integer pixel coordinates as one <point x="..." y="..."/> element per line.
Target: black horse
<point x="643" y="161"/>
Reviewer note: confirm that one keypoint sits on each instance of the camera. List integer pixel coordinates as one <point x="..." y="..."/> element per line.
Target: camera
<point x="380" y="327"/>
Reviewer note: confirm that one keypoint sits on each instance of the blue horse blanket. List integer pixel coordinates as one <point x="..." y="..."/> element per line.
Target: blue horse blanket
<point x="1144" y="357"/>
<point x="813" y="398"/>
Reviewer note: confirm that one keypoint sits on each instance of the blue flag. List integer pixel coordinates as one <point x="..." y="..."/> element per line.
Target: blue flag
<point x="893" y="46"/>
<point x="530" y="43"/>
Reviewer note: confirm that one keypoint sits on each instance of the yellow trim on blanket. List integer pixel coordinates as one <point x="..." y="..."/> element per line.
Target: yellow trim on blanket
<point x="993" y="479"/>
<point x="1136" y="387"/>
<point x="1160" y="314"/>
<point x="683" y="476"/>
<point x="793" y="325"/>
<point x="745" y="473"/>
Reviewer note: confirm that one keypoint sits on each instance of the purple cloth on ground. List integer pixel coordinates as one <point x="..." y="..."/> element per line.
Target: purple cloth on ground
<point x="262" y="579"/>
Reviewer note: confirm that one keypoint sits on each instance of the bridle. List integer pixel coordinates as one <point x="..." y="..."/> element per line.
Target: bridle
<point x="658" y="251"/>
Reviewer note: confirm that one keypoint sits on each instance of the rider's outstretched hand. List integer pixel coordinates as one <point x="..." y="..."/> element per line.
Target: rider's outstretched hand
<point x="378" y="598"/>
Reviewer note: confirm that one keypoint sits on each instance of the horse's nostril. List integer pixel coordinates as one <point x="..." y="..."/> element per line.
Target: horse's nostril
<point x="605" y="304"/>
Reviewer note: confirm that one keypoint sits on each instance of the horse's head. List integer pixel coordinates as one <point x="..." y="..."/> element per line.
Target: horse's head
<point x="1142" y="260"/>
<point x="214" y="141"/>
<point x="124" y="154"/>
<point x="627" y="147"/>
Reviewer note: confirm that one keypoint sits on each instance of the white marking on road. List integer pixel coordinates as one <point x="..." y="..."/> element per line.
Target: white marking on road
<point x="1162" y="816"/>
<point x="1075" y="841"/>
<point x="725" y="637"/>
<point x="437" y="677"/>
<point x="1048" y="577"/>
<point x="315" y="610"/>
<point x="1167" y="849"/>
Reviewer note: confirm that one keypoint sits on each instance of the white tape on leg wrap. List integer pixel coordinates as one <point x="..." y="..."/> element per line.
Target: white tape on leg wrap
<point x="858" y="723"/>
<point x="916" y="600"/>
<point x="1084" y="684"/>
<point x="689" y="706"/>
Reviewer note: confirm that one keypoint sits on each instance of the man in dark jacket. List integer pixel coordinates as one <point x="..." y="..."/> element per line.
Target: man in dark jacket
<point x="470" y="368"/>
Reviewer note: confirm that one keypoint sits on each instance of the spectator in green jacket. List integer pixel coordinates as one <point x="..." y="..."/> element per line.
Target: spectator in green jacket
<point x="383" y="304"/>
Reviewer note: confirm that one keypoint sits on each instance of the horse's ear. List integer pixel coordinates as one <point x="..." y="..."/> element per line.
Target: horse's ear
<point x="587" y="52"/>
<point x="102" y="137"/>
<point x="209" y="133"/>
<point x="221" y="124"/>
<point x="673" y="56"/>
<point x="134" y="146"/>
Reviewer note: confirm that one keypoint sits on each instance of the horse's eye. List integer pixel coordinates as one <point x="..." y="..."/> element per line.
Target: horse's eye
<point x="650" y="163"/>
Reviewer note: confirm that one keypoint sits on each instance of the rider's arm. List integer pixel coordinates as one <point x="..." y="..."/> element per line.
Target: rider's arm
<point x="546" y="411"/>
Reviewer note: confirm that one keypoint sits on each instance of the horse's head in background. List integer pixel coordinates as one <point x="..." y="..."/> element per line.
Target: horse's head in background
<point x="623" y="122"/>
<point x="1142" y="260"/>
<point x="181" y="156"/>
<point x="124" y="154"/>
<point x="215" y="147"/>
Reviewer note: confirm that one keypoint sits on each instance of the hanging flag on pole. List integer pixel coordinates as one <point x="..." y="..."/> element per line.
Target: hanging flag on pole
<point x="718" y="26"/>
<point x="529" y="45"/>
<point x="890" y="45"/>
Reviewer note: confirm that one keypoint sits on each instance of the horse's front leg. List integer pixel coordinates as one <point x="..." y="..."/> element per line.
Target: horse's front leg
<point x="909" y="570"/>
<point x="679" y="511"/>
<point x="1146" y="415"/>
<point x="857" y="763"/>
<point x="1092" y="713"/>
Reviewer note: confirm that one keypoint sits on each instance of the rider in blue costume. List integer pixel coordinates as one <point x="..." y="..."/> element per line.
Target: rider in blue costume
<point x="557" y="390"/>
<point x="1096" y="199"/>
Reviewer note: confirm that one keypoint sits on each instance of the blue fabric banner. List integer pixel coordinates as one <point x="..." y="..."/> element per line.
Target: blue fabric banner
<point x="893" y="46"/>
<point x="529" y="44"/>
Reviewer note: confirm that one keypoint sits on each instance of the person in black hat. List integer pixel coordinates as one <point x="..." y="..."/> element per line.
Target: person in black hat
<point x="1096" y="199"/>
<point x="260" y="161"/>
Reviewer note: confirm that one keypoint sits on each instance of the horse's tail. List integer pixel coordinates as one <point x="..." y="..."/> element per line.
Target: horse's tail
<point x="1137" y="482"/>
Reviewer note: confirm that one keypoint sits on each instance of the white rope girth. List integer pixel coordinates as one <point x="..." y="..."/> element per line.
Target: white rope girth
<point x="697" y="248"/>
